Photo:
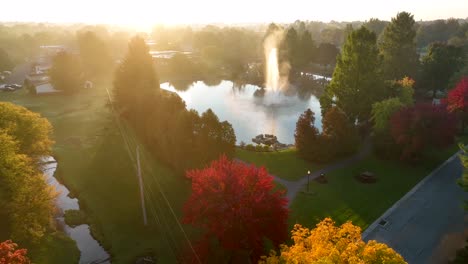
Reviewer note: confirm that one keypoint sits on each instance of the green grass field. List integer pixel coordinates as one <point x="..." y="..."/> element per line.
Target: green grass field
<point x="343" y="198"/>
<point x="284" y="164"/>
<point x="95" y="166"/>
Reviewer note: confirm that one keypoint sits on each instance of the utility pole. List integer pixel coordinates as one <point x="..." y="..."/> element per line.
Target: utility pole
<point x="140" y="180"/>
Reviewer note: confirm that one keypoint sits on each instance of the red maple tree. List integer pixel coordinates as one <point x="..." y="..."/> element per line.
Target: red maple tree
<point x="457" y="100"/>
<point x="424" y="125"/>
<point x="236" y="206"/>
<point x="9" y="254"/>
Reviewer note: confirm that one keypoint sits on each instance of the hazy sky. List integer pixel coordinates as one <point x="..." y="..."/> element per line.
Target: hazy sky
<point x="149" y="12"/>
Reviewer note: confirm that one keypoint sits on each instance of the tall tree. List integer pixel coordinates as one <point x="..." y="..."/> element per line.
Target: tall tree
<point x="135" y="79"/>
<point x="306" y="134"/>
<point x="398" y="48"/>
<point x="236" y="205"/>
<point x="356" y="82"/>
<point x="66" y="73"/>
<point x="340" y="132"/>
<point x="291" y="46"/>
<point x="439" y="65"/>
<point x="327" y="243"/>
<point x="307" y="49"/>
<point x="5" y="62"/>
<point x="94" y="55"/>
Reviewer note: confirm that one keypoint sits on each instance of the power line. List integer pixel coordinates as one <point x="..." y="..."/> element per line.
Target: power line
<point x="154" y="178"/>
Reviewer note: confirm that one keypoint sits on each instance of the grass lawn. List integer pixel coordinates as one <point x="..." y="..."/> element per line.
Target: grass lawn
<point x="284" y="164"/>
<point x="94" y="164"/>
<point x="343" y="198"/>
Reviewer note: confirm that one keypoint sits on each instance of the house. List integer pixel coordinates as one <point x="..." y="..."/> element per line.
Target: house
<point x="46" y="88"/>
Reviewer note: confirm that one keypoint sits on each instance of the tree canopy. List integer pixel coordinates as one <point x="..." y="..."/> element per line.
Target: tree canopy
<point x="439" y="65"/>
<point x="398" y="47"/>
<point x="419" y="127"/>
<point x="66" y="73"/>
<point x="26" y="197"/>
<point x="327" y="243"/>
<point x="31" y="131"/>
<point x="235" y="204"/>
<point x="5" y="62"/>
<point x="356" y="82"/>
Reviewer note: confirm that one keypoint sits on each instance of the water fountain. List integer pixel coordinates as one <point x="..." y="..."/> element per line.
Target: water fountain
<point x="276" y="80"/>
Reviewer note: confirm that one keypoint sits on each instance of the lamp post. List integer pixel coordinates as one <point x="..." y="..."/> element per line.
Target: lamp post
<point x="308" y="179"/>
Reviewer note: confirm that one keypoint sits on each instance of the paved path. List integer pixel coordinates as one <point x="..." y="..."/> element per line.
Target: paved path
<point x="419" y="224"/>
<point x="293" y="187"/>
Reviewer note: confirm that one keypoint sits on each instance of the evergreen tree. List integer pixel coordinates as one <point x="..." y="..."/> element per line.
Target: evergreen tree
<point x="340" y="134"/>
<point x="398" y="48"/>
<point x="306" y="134"/>
<point x="307" y="49"/>
<point x="135" y="80"/>
<point x="356" y="82"/>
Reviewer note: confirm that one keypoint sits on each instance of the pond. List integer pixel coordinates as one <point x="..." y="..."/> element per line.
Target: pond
<point x="250" y="115"/>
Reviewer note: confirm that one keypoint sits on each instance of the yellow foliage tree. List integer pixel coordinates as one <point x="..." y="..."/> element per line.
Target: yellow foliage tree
<point x="328" y="243"/>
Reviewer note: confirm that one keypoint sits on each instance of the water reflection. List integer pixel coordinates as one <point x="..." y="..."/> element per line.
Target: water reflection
<point x="274" y="113"/>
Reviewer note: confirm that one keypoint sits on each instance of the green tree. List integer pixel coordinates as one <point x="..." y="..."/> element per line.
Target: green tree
<point x="340" y="133"/>
<point x="398" y="47"/>
<point x="306" y="134"/>
<point x="356" y="82"/>
<point x="439" y="65"/>
<point x="382" y="112"/>
<point x="5" y="62"/>
<point x="375" y="25"/>
<point x="307" y="48"/>
<point x="94" y="54"/>
<point x="66" y="73"/>
<point x="292" y="43"/>
<point x="326" y="54"/>
<point x="136" y="79"/>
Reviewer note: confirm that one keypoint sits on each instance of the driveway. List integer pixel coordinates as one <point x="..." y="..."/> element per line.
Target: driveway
<point x="423" y="224"/>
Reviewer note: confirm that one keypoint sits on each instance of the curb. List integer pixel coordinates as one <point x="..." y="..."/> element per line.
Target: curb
<point x="375" y="224"/>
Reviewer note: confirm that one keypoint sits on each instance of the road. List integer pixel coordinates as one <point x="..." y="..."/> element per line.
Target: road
<point x="427" y="224"/>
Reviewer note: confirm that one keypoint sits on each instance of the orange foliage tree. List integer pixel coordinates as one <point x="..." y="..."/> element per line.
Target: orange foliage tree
<point x="9" y="254"/>
<point x="328" y="243"/>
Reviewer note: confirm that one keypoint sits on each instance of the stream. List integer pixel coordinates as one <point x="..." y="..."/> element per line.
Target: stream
<point x="91" y="251"/>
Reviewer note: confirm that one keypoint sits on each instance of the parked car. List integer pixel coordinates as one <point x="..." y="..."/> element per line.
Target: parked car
<point x="8" y="89"/>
